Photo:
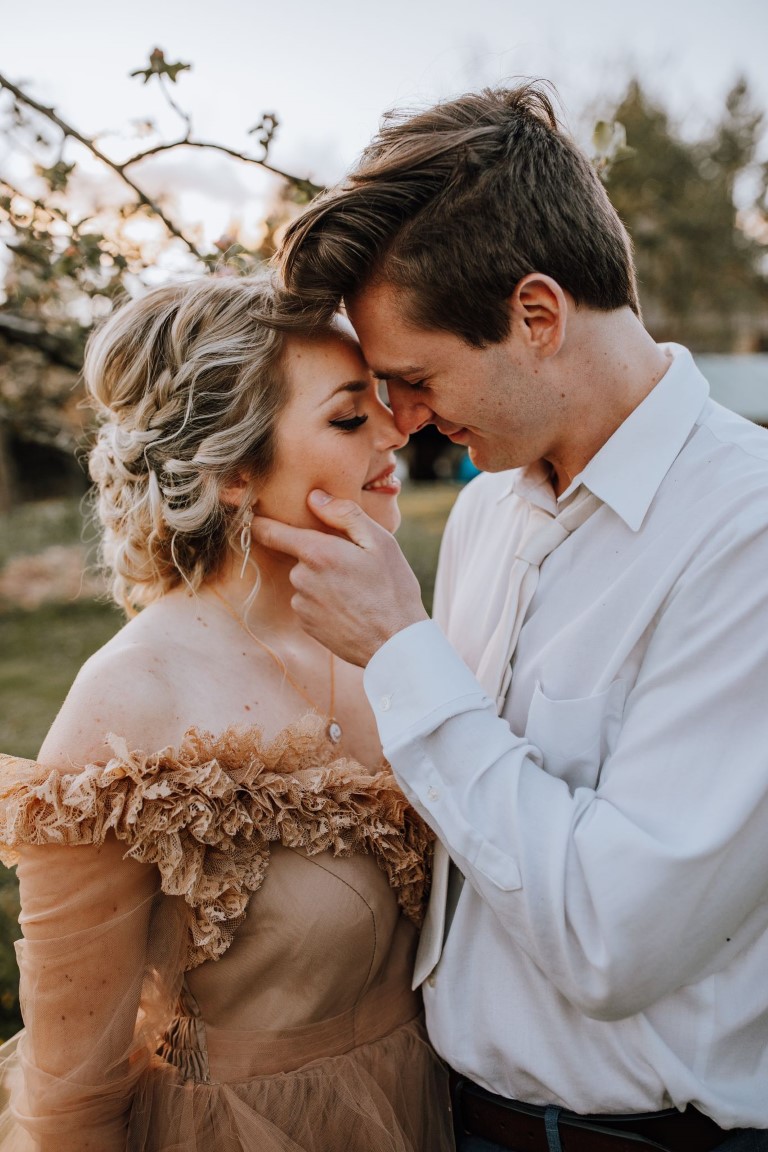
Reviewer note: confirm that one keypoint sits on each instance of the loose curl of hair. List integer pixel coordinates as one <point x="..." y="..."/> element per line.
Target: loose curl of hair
<point x="188" y="383"/>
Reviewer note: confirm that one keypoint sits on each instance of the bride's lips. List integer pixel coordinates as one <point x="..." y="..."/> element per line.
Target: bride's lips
<point x="386" y="482"/>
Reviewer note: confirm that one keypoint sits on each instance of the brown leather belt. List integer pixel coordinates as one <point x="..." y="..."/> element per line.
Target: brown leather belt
<point x="521" y="1127"/>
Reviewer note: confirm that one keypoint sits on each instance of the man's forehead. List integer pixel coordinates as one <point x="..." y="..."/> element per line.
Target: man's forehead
<point x="385" y="328"/>
<point x="383" y="306"/>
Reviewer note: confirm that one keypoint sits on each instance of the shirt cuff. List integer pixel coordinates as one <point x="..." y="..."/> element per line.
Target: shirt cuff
<point x="416" y="681"/>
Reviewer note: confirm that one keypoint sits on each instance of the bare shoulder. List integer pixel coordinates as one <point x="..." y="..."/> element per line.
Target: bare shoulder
<point x="128" y="687"/>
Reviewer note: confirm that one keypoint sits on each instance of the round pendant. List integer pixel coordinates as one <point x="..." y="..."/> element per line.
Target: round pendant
<point x="334" y="732"/>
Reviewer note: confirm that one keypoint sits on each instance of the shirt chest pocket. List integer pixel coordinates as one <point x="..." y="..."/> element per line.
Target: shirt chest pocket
<point x="575" y="736"/>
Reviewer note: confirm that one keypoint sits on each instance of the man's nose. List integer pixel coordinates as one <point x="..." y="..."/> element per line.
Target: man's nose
<point x="408" y="408"/>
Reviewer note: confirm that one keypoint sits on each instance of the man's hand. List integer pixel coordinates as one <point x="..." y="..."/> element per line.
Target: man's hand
<point x="353" y="591"/>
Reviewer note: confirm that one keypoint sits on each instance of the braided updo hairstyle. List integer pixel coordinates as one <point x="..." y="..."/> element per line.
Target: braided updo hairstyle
<point x="188" y="384"/>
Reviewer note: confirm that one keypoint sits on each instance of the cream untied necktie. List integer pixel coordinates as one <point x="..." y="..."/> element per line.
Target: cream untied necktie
<point x="542" y="534"/>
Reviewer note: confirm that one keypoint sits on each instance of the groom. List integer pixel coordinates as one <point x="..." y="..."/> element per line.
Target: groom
<point x="587" y="728"/>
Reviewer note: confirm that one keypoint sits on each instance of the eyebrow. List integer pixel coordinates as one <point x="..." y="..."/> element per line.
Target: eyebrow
<point x="351" y="386"/>
<point x="397" y="373"/>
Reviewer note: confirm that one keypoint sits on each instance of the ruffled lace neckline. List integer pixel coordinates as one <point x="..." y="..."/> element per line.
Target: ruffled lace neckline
<point x="207" y="812"/>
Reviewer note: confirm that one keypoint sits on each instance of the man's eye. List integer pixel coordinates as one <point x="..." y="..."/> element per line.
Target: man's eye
<point x="349" y="424"/>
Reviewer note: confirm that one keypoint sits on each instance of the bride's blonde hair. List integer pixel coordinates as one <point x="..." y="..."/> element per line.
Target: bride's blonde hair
<point x="188" y="383"/>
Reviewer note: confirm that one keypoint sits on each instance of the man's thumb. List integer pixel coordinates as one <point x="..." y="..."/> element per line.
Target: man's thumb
<point x="343" y="515"/>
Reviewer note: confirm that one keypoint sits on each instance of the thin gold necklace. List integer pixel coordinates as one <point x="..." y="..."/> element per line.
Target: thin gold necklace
<point x="333" y="729"/>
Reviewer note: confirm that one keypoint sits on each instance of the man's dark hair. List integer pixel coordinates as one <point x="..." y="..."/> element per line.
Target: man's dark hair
<point x="454" y="206"/>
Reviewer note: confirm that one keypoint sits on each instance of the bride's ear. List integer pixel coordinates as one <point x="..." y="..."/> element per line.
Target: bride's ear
<point x="238" y="489"/>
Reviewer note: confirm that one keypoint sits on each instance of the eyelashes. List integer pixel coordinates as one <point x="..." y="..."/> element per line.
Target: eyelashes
<point x="349" y="424"/>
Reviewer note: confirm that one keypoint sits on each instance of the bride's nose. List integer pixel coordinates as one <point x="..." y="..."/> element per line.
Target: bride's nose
<point x="388" y="435"/>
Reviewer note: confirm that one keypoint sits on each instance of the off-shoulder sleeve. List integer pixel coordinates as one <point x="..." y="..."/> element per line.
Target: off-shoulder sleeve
<point x="100" y="966"/>
<point x="205" y="814"/>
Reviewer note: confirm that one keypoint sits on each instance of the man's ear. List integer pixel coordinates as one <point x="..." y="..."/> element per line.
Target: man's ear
<point x="539" y="309"/>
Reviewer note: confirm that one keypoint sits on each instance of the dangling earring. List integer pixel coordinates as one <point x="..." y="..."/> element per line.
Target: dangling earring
<point x="245" y="540"/>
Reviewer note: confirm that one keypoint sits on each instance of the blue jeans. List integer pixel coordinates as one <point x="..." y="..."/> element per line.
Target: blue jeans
<point x="750" y="1140"/>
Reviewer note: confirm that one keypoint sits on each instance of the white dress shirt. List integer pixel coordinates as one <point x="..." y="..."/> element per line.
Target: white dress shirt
<point x="609" y="950"/>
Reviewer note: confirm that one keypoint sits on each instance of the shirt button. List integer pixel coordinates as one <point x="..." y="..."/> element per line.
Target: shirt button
<point x="433" y="794"/>
<point x="386" y="703"/>
<point x="431" y="979"/>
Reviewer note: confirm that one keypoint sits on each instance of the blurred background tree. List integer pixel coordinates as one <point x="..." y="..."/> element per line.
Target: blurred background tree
<point x="697" y="210"/>
<point x="71" y="253"/>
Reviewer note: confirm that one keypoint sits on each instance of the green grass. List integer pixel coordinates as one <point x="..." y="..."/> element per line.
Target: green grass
<point x="41" y="653"/>
<point x="425" y="509"/>
<point x="32" y="527"/>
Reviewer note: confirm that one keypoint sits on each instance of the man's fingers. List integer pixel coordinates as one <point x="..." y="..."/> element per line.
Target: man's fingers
<point x="345" y="516"/>
<point x="279" y="537"/>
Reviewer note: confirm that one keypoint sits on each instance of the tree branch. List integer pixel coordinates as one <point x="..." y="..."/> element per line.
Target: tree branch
<point x="63" y="349"/>
<point x="184" y="116"/>
<point x="118" y="169"/>
<point x="188" y="142"/>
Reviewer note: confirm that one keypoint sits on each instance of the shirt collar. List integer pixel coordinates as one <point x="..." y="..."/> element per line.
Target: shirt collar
<point x="533" y="484"/>
<point x="628" y="470"/>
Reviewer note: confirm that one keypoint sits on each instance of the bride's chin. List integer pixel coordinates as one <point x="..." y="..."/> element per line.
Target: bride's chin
<point x="388" y="518"/>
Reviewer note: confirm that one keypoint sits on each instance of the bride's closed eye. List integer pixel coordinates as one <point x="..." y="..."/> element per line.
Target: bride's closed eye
<point x="348" y="424"/>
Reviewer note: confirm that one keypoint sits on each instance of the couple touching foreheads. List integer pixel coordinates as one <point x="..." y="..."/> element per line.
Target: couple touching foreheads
<point x="223" y="878"/>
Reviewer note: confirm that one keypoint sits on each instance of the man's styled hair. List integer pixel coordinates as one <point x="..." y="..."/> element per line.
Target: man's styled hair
<point x="454" y="206"/>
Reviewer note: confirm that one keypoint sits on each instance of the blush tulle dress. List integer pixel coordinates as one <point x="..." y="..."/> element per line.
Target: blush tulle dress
<point x="218" y="941"/>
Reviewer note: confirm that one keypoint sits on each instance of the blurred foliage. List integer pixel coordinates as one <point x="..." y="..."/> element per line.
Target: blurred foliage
<point x="702" y="261"/>
<point x="159" y="66"/>
<point x="609" y="145"/>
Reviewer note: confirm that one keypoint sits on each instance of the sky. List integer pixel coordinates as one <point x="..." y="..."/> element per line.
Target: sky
<point x="329" y="69"/>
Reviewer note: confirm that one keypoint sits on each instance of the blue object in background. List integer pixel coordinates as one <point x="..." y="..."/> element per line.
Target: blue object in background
<point x="466" y="470"/>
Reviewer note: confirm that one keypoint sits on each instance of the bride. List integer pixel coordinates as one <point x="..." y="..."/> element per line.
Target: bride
<point x="220" y="881"/>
